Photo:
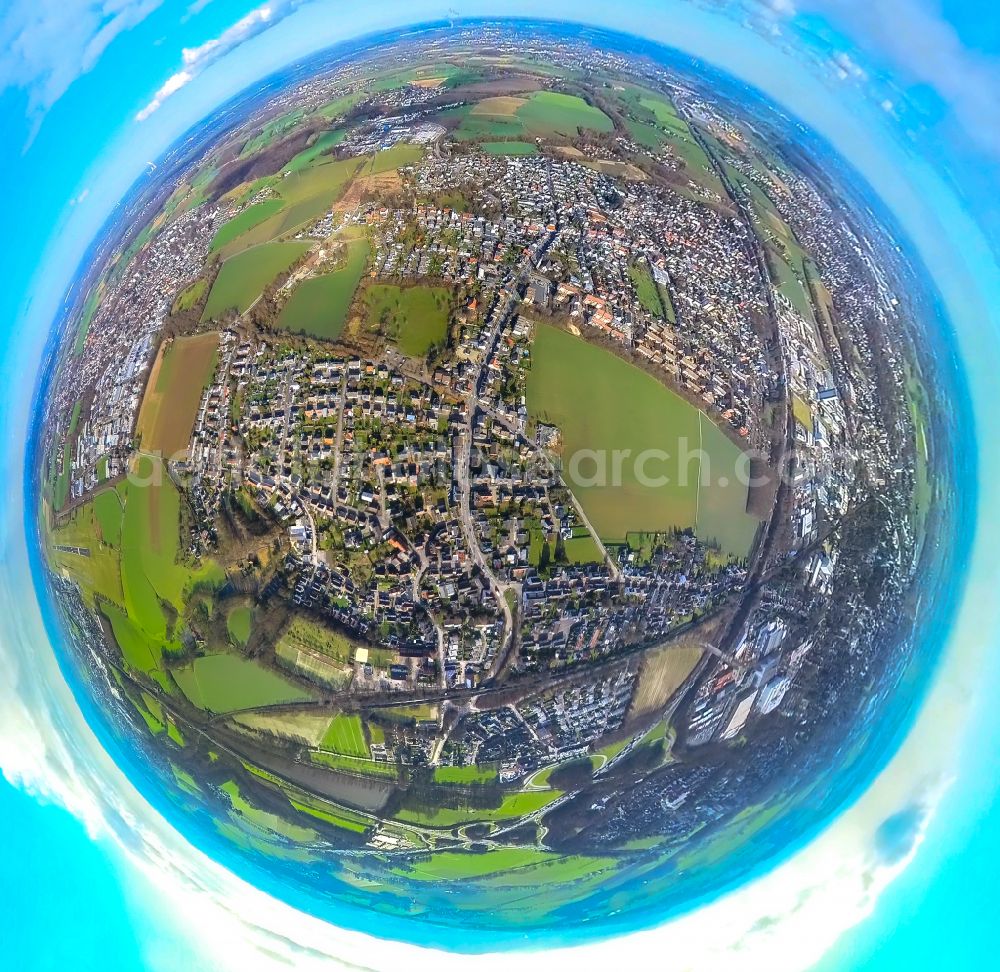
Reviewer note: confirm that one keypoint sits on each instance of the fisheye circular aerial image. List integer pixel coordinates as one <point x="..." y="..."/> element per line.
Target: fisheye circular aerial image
<point x="501" y="485"/>
<point x="491" y="477"/>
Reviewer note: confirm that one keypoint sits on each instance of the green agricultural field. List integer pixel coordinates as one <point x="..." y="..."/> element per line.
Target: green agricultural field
<point x="568" y="870"/>
<point x="244" y="221"/>
<point x="272" y="131"/>
<point x="319" y="305"/>
<point x="665" y="114"/>
<point x="488" y="127"/>
<point x="239" y="623"/>
<point x="319" y="184"/>
<point x="269" y="823"/>
<point x="544" y="114"/>
<point x="923" y="488"/>
<point x="324" y="143"/>
<point x="98" y="571"/>
<point x="458" y="865"/>
<point x="514" y="805"/>
<point x="722" y="516"/>
<point x="303" y="634"/>
<point x="698" y="166"/>
<point x="601" y="404"/>
<point x="464" y="774"/>
<point x="645" y="134"/>
<point x="305" y="725"/>
<point x="345" y="736"/>
<point x="306" y="194"/>
<point x="109" y="512"/>
<point x="340" y="106"/>
<point x="549" y="113"/>
<point x="243" y="277"/>
<point x="396" y="157"/>
<point x="139" y="651"/>
<point x="151" y="572"/>
<point x="185" y="780"/>
<point x="654" y="124"/>
<point x="509" y="148"/>
<point x="62" y="484"/>
<point x="335" y="816"/>
<point x="225" y="683"/>
<point x="183" y="369"/>
<point x="152" y="713"/>
<point x="87" y="317"/>
<point x="415" y="317"/>
<point x="353" y="764"/>
<point x="60" y="489"/>
<point x="790" y="284"/>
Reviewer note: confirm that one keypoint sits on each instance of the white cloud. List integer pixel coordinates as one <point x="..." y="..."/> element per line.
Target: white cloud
<point x="195" y="8"/>
<point x="915" y="37"/>
<point x="174" y="83"/>
<point x="196" y="59"/>
<point x="48" y="44"/>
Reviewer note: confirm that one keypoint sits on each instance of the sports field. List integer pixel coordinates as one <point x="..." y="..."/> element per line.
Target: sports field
<point x="319" y="305"/>
<point x="182" y="371"/>
<point x="344" y="736"/>
<point x="415" y="317"/>
<point x="244" y="276"/>
<point x="223" y="683"/>
<point x="602" y="404"/>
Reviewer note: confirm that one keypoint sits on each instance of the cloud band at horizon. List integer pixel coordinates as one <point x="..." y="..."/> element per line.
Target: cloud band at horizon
<point x="785" y="919"/>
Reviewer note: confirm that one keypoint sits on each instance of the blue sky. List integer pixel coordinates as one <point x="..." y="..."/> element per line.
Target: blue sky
<point x="909" y="90"/>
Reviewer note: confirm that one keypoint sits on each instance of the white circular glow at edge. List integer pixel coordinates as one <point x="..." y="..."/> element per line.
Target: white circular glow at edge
<point x="785" y="920"/>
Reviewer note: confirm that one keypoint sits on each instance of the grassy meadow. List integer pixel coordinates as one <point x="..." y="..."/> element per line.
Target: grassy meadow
<point x="224" y="683"/>
<point x="601" y="403"/>
<point x="416" y="318"/>
<point x="543" y="114"/>
<point x="182" y="371"/>
<point x="319" y="306"/>
<point x="244" y="276"/>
